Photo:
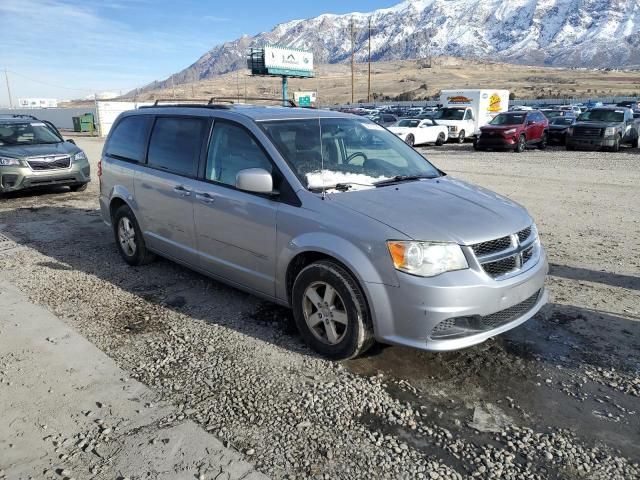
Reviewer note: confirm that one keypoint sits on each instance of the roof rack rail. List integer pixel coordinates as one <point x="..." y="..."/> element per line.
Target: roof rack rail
<point x="16" y="115"/>
<point x="239" y="99"/>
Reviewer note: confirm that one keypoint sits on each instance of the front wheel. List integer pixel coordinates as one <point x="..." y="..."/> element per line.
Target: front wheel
<point x="79" y="187"/>
<point x="522" y="143"/>
<point x="441" y="139"/>
<point x="634" y="144"/>
<point x="331" y="312"/>
<point x="461" y="136"/>
<point x="410" y="140"/>
<point x="129" y="238"/>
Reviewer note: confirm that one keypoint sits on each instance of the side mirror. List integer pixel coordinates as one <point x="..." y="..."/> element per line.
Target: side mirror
<point x="255" y="180"/>
<point x="70" y="140"/>
<point x="530" y="122"/>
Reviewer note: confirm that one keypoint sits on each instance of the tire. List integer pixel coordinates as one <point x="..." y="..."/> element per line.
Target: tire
<point x="616" y="145"/>
<point x="635" y="142"/>
<point x="337" y="340"/>
<point x="543" y="142"/>
<point x="461" y="136"/>
<point x="410" y="140"/>
<point x="135" y="254"/>
<point x="79" y="187"/>
<point x="440" y="140"/>
<point x="570" y="148"/>
<point x="521" y="145"/>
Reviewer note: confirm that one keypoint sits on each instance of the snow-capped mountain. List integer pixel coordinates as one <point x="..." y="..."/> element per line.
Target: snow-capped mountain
<point x="569" y="33"/>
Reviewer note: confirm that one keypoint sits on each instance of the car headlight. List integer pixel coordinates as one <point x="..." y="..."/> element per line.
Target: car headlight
<point x="511" y="131"/>
<point x="426" y="259"/>
<point x="79" y="156"/>
<point x="8" y="161"/>
<point x="609" y="131"/>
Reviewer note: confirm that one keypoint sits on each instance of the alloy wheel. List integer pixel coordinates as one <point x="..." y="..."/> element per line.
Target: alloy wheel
<point x="325" y="313"/>
<point x="127" y="236"/>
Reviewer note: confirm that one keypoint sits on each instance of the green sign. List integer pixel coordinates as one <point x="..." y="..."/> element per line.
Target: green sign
<point x="304" y="101"/>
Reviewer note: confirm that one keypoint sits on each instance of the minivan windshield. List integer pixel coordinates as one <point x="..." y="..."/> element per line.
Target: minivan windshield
<point x="450" y="114"/>
<point x="508" y="119"/>
<point x="602" y="115"/>
<point x="330" y="152"/>
<point x="27" y="133"/>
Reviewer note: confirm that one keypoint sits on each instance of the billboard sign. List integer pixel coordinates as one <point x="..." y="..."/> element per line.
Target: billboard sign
<point x="37" y="103"/>
<point x="305" y="99"/>
<point x="288" y="61"/>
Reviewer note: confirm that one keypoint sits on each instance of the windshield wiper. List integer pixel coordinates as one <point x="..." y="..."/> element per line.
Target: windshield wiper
<point x="400" y="179"/>
<point x="341" y="187"/>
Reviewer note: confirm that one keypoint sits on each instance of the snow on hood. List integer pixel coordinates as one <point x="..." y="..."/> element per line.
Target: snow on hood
<point x="329" y="178"/>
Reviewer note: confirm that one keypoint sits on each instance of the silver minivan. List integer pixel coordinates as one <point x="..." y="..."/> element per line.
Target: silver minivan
<point x="329" y="214"/>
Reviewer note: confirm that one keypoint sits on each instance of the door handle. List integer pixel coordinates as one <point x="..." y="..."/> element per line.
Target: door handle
<point x="204" y="197"/>
<point x="182" y="191"/>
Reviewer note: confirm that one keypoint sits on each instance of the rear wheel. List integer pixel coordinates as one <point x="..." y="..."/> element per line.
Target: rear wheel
<point x="571" y="148"/>
<point x="441" y="139"/>
<point x="634" y="144"/>
<point x="461" y="136"/>
<point x="410" y="140"/>
<point x="521" y="145"/>
<point x="129" y="238"/>
<point x="79" y="187"/>
<point x="331" y="312"/>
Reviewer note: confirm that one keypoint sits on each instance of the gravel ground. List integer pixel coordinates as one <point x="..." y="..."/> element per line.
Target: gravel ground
<point x="555" y="398"/>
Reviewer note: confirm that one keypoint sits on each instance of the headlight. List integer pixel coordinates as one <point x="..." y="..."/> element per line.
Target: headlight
<point x="79" y="156"/>
<point x="609" y="131"/>
<point x="8" y="161"/>
<point x="426" y="259"/>
<point x="511" y="131"/>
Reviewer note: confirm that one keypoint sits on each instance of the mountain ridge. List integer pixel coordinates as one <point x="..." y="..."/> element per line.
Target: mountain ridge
<point x="563" y="33"/>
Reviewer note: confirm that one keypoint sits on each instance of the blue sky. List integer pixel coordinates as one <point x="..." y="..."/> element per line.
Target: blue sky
<point x="78" y="47"/>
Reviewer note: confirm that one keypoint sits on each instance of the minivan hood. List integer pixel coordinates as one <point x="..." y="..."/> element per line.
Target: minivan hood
<point x="23" y="151"/>
<point x="442" y="209"/>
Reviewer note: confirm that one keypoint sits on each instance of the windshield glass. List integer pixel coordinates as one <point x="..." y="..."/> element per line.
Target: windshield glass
<point x="508" y="119"/>
<point x="408" y="123"/>
<point x="449" y="114"/>
<point x="562" y="121"/>
<point x="352" y="151"/>
<point x="552" y="113"/>
<point x="602" y="116"/>
<point x="28" y="133"/>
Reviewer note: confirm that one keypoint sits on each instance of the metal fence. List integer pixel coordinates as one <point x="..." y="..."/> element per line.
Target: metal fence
<point x="60" y="117"/>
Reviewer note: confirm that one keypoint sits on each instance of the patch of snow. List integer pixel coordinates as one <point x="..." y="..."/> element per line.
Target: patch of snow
<point x="329" y="178"/>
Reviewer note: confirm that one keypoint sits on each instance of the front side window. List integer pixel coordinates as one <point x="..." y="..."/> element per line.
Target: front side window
<point x="330" y="151"/>
<point x="28" y="133"/>
<point x="176" y="143"/>
<point x="128" y="139"/>
<point x="231" y="150"/>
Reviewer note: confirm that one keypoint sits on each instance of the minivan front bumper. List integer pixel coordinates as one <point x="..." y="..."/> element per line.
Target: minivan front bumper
<point x="414" y="313"/>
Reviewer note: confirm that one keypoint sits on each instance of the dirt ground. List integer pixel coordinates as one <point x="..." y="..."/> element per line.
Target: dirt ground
<point x="555" y="398"/>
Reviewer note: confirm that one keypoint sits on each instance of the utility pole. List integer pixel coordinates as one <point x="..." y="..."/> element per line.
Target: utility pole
<point x="6" y="77"/>
<point x="369" y="87"/>
<point x="353" y="55"/>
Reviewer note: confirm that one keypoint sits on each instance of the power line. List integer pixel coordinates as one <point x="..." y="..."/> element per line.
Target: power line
<point x="48" y="84"/>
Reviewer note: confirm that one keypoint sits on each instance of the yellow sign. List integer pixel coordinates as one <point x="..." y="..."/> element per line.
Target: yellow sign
<point x="494" y="103"/>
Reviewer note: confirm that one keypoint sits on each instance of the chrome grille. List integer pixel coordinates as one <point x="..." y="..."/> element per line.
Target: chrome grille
<point x="49" y="163"/>
<point x="587" y="132"/>
<point x="506" y="256"/>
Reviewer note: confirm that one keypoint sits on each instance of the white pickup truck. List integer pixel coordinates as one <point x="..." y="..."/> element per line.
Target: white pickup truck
<point x="465" y="111"/>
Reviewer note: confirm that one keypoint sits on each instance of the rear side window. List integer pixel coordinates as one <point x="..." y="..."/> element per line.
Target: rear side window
<point x="128" y="139"/>
<point x="176" y="143"/>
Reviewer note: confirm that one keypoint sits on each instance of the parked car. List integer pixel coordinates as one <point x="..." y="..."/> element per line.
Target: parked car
<point x="557" y="112"/>
<point x="384" y="119"/>
<point x="34" y="154"/>
<point x="558" y="127"/>
<point x="514" y="131"/>
<point x="279" y="202"/>
<point x="603" y="127"/>
<point x="413" y="112"/>
<point x="632" y="104"/>
<point x="414" y="131"/>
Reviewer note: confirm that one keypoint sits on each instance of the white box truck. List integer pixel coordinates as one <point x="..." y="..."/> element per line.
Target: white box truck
<point x="465" y="111"/>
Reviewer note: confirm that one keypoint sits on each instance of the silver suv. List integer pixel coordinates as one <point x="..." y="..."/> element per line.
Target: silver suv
<point x="327" y="213"/>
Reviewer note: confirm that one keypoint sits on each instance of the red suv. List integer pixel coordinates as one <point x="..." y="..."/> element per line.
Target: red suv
<point x="515" y="131"/>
